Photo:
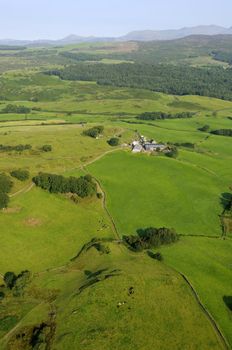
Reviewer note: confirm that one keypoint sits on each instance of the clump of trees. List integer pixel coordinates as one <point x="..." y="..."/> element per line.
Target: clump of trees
<point x="151" y="238"/>
<point x="222" y="132"/>
<point x="20" y="174"/>
<point x="163" y="115"/>
<point x="46" y="148"/>
<point x="10" y="108"/>
<point x="173" y="152"/>
<point x="5" y="187"/>
<point x="204" y="128"/>
<point x="94" y="132"/>
<point x="114" y="141"/>
<point x="83" y="186"/>
<point x="17" y="148"/>
<point x="17" y="283"/>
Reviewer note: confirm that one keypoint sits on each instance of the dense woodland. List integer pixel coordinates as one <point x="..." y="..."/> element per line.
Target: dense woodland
<point x="177" y="80"/>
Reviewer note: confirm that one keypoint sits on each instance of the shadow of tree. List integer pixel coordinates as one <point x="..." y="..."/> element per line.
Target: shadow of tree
<point x="226" y="200"/>
<point x="228" y="301"/>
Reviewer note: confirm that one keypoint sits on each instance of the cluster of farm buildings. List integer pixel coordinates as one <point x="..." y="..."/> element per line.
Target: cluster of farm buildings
<point x="142" y="145"/>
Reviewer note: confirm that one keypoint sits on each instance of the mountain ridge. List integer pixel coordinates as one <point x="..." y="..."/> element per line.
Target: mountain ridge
<point x="139" y="35"/>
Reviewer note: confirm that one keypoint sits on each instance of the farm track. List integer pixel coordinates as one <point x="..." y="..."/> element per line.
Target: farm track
<point x="23" y="190"/>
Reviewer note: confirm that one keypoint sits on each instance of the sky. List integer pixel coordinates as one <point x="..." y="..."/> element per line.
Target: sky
<point x="53" y="19"/>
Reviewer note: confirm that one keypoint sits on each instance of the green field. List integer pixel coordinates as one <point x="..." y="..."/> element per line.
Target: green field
<point x="74" y="301"/>
<point x="148" y="191"/>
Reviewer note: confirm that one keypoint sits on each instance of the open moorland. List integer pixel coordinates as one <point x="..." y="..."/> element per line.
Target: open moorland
<point x="78" y="268"/>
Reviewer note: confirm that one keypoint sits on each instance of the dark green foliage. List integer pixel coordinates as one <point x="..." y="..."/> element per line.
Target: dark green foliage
<point x="17" y="148"/>
<point x="162" y="115"/>
<point x="46" y="148"/>
<point x="157" y="256"/>
<point x="80" y="56"/>
<point x="185" y="144"/>
<point x="99" y="195"/>
<point x="151" y="238"/>
<point x="20" y="174"/>
<point x="171" y="79"/>
<point x="224" y="56"/>
<point x="83" y="186"/>
<point x="5" y="186"/>
<point x="94" y="132"/>
<point x="4" y="200"/>
<point x="101" y="248"/>
<point x="2" y="296"/>
<point x="17" y="283"/>
<point x="10" y="279"/>
<point x="5" y="183"/>
<point x="173" y="153"/>
<point x="16" y="109"/>
<point x="204" y="128"/>
<point x="114" y="141"/>
<point x="222" y="132"/>
<point x="20" y="283"/>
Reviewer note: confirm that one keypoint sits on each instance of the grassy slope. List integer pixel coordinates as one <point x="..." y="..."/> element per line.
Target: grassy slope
<point x="207" y="264"/>
<point x="46" y="230"/>
<point x="92" y="320"/>
<point x="155" y="191"/>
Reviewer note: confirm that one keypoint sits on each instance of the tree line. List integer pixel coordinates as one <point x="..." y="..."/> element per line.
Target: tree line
<point x="83" y="186"/>
<point x="10" y="108"/>
<point x="163" y="115"/>
<point x="222" y="132"/>
<point x="166" y="78"/>
<point x="5" y="187"/>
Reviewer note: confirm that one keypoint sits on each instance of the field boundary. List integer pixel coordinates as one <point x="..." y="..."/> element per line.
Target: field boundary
<point x="214" y="324"/>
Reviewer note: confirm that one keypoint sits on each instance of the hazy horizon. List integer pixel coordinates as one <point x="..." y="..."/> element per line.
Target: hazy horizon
<point x="57" y="19"/>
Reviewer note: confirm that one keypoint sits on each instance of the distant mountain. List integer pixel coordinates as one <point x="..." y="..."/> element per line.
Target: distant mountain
<point x="144" y="35"/>
<point x="153" y="35"/>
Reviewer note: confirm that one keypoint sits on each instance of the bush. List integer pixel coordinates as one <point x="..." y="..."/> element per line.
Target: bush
<point x="204" y="128"/>
<point x="157" y="256"/>
<point x="114" y="141"/>
<point x="99" y="195"/>
<point x="20" y="174"/>
<point x="2" y="296"/>
<point x="10" y="279"/>
<point x="173" y="153"/>
<point x="94" y="132"/>
<point x="46" y="148"/>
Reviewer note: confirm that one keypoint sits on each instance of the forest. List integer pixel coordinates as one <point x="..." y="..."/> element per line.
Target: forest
<point x="170" y="79"/>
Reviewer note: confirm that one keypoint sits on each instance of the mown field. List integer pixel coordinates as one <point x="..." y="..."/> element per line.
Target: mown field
<point x="86" y="302"/>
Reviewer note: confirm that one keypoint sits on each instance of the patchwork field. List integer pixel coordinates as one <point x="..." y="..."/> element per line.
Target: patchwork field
<point x="108" y="296"/>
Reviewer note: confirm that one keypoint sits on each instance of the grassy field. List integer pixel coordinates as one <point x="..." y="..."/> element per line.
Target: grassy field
<point x="145" y="191"/>
<point x="207" y="264"/>
<point x="41" y="232"/>
<point x="131" y="308"/>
